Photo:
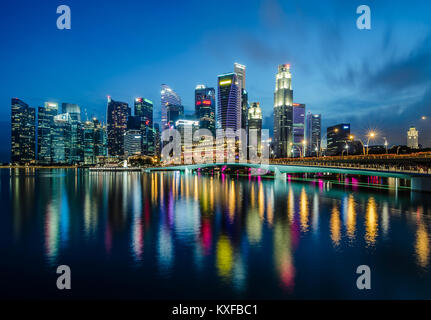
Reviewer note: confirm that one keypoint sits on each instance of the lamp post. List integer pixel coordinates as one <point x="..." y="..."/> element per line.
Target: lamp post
<point x="371" y="135"/>
<point x="386" y="145"/>
<point x="304" y="143"/>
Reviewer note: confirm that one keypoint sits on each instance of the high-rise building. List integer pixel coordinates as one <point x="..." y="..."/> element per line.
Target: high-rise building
<point x="413" y="138"/>
<point x="73" y="110"/>
<point x="132" y="142"/>
<point x="157" y="146"/>
<point x="117" y="115"/>
<point x="337" y="138"/>
<point x="313" y="133"/>
<point x="283" y="112"/>
<point x="45" y="131"/>
<point x="299" y="143"/>
<point x="89" y="142"/>
<point x="244" y="109"/>
<point x="239" y="70"/>
<point x="229" y="102"/>
<point x="23" y="135"/>
<point x="255" y="124"/>
<point x="100" y="139"/>
<point x="205" y="108"/>
<point x="61" y="139"/>
<point x="174" y="112"/>
<point x="144" y="110"/>
<point x="168" y="97"/>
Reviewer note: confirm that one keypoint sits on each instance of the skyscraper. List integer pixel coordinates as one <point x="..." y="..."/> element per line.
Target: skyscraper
<point x="168" y="97"/>
<point x="229" y="102"/>
<point x="413" y="138"/>
<point x="144" y="110"/>
<point x="117" y="115"/>
<point x="61" y="139"/>
<point x="45" y="131"/>
<point x="174" y="113"/>
<point x="23" y="135"/>
<point x="133" y="142"/>
<point x="255" y="124"/>
<point x="283" y="112"/>
<point x="298" y="147"/>
<point x="313" y="133"/>
<point x="205" y="107"/>
<point x="239" y="70"/>
<point x="338" y="138"/>
<point x="73" y="110"/>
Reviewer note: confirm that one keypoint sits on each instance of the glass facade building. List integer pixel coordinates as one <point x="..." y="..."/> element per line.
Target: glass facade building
<point x="299" y="142"/>
<point x="337" y="138"/>
<point x="117" y="116"/>
<point x="23" y="132"/>
<point x="61" y="139"/>
<point x="205" y="105"/>
<point x="313" y="134"/>
<point x="45" y="131"/>
<point x="229" y="102"/>
<point x="168" y="97"/>
<point x="283" y="112"/>
<point x="255" y="127"/>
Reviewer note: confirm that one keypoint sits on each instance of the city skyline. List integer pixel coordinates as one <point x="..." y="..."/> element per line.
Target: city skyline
<point x="330" y="82"/>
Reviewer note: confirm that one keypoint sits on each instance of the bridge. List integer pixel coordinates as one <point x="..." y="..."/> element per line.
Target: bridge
<point x="420" y="180"/>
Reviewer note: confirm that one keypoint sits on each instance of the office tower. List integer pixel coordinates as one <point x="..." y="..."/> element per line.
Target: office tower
<point x="205" y="105"/>
<point x="283" y="112"/>
<point x="313" y="134"/>
<point x="45" y="131"/>
<point x="100" y="139"/>
<point x="144" y="110"/>
<point x="299" y="143"/>
<point x="229" y="102"/>
<point x="89" y="142"/>
<point x="132" y="142"/>
<point x="255" y="124"/>
<point x="244" y="109"/>
<point x="337" y="138"/>
<point x="23" y="134"/>
<point x="239" y="70"/>
<point x="157" y="147"/>
<point x="117" y="115"/>
<point x="73" y="110"/>
<point x="173" y="113"/>
<point x="413" y="138"/>
<point x="168" y="97"/>
<point x="61" y="139"/>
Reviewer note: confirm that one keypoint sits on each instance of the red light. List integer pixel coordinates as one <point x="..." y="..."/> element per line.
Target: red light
<point x="147" y="122"/>
<point x="198" y="103"/>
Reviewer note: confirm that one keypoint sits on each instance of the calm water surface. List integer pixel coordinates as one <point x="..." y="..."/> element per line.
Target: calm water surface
<point x="170" y="235"/>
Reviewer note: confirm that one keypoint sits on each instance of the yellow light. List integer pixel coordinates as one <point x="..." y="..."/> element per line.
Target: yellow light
<point x="372" y="134"/>
<point x="225" y="82"/>
<point x="351" y="137"/>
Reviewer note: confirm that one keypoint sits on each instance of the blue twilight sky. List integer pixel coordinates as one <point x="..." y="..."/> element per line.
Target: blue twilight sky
<point x="378" y="78"/>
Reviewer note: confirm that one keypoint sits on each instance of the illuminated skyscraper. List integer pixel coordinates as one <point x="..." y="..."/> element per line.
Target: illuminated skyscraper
<point x="283" y="112"/>
<point x="313" y="133"/>
<point x="239" y="70"/>
<point x="168" y="97"/>
<point x="298" y="147"/>
<point x="73" y="110"/>
<point x="45" y="131"/>
<point x="23" y="135"/>
<point x="205" y="105"/>
<point x="61" y="139"/>
<point x="144" y="110"/>
<point x="255" y="123"/>
<point x="117" y="115"/>
<point x="229" y="102"/>
<point x="413" y="138"/>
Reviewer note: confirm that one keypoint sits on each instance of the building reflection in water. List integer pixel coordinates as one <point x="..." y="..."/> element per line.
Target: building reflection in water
<point x="200" y="223"/>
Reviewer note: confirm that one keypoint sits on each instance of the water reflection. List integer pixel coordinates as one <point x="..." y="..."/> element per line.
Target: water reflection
<point x="225" y="228"/>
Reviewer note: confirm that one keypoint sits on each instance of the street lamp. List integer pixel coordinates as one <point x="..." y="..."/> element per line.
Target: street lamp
<point x="304" y="143"/>
<point x="386" y="145"/>
<point x="371" y="135"/>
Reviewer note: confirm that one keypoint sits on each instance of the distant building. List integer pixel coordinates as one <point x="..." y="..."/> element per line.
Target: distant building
<point x="255" y="127"/>
<point x="205" y="105"/>
<point x="298" y="148"/>
<point x="244" y="109"/>
<point x="313" y="133"/>
<point x="61" y="139"/>
<point x="73" y="110"/>
<point x="132" y="142"/>
<point x="168" y="97"/>
<point x="117" y="116"/>
<point x="23" y="135"/>
<point x="283" y="112"/>
<point x="144" y="110"/>
<point x="157" y="145"/>
<point x="45" y="131"/>
<point x="413" y="138"/>
<point x="338" y="138"/>
<point x="174" y="113"/>
<point x="229" y="102"/>
<point x="240" y="70"/>
<point x="94" y="141"/>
